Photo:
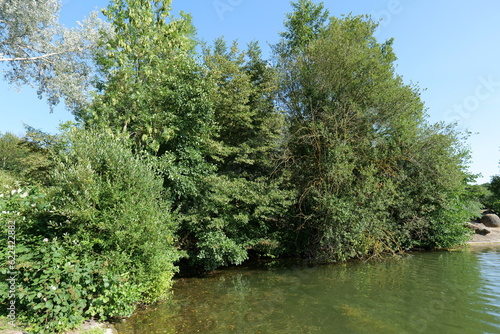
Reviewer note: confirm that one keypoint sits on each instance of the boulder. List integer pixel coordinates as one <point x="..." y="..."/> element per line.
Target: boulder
<point x="490" y="220"/>
<point x="482" y="231"/>
<point x="478" y="228"/>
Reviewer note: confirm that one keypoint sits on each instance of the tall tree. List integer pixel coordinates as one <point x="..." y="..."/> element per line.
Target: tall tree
<point x="242" y="210"/>
<point x="359" y="146"/>
<point x="151" y="88"/>
<point x="306" y="23"/>
<point x="37" y="50"/>
<point x="249" y="126"/>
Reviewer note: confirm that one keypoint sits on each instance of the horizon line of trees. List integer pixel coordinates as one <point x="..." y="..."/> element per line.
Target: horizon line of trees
<point x="203" y="159"/>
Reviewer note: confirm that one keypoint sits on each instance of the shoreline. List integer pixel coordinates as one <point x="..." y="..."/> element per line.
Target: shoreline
<point x="492" y="238"/>
<point x="87" y="327"/>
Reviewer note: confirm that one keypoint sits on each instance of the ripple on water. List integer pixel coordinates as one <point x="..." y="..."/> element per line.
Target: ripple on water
<point x="442" y="292"/>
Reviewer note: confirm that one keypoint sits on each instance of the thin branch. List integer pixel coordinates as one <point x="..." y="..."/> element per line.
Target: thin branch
<point x="35" y="58"/>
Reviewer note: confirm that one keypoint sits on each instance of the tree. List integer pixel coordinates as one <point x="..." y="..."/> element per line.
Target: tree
<point x="244" y="206"/>
<point x="37" y="50"/>
<point x="359" y="146"/>
<point x="26" y="158"/>
<point x="11" y="153"/>
<point x="151" y="88"/>
<point x="492" y="197"/>
<point x="306" y="23"/>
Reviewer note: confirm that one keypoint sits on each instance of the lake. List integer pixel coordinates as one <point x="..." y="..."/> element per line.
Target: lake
<point x="434" y="292"/>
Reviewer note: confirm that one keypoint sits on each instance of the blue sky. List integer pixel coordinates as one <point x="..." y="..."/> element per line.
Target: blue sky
<point x="451" y="49"/>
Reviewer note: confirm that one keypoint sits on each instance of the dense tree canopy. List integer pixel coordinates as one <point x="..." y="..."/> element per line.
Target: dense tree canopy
<point x="152" y="89"/>
<point x="205" y="159"/>
<point x="372" y="175"/>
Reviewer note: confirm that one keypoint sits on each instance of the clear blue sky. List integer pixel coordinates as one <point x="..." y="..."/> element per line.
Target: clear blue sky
<point x="449" y="48"/>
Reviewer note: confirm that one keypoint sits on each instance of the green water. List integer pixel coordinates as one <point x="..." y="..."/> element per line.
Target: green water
<point x="440" y="292"/>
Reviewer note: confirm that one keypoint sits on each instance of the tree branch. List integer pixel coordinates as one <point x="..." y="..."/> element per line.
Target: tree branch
<point x="34" y="58"/>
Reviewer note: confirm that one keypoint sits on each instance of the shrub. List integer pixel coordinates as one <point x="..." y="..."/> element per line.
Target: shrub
<point x="95" y="243"/>
<point x="113" y="200"/>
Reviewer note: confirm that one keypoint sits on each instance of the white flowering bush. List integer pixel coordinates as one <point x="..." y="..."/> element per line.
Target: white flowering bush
<point x="59" y="282"/>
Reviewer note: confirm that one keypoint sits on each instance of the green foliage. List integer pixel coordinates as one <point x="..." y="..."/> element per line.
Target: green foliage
<point x="494" y="185"/>
<point x="306" y="23"/>
<point x="447" y="228"/>
<point x="491" y="198"/>
<point x="372" y="175"/>
<point x="152" y="89"/>
<point x="39" y="51"/>
<point x="237" y="219"/>
<point x="114" y="200"/>
<point x="248" y="125"/>
<point x="98" y="242"/>
<point x="58" y="289"/>
<point x="482" y="193"/>
<point x="11" y="153"/>
<point x="327" y="155"/>
<point x="53" y="284"/>
<point x="244" y="205"/>
<point x="6" y="179"/>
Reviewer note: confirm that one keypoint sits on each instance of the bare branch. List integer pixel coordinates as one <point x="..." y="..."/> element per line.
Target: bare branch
<point x="39" y="57"/>
<point x="35" y="57"/>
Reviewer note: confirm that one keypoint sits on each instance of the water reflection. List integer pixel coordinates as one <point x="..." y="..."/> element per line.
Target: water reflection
<point x="452" y="292"/>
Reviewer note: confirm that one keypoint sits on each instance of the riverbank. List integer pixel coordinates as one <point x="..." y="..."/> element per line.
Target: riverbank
<point x="88" y="327"/>
<point x="92" y="327"/>
<point x="493" y="237"/>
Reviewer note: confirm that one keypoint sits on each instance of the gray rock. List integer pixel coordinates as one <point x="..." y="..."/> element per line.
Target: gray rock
<point x="490" y="220"/>
<point x="482" y="231"/>
<point x="478" y="228"/>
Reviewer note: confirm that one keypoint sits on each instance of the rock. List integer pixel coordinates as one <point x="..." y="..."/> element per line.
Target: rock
<point x="472" y="226"/>
<point x="478" y="228"/>
<point x="482" y="231"/>
<point x="490" y="220"/>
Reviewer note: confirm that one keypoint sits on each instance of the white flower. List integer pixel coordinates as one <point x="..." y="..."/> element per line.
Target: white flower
<point x="23" y="195"/>
<point x="45" y="240"/>
<point x="13" y="191"/>
<point x="53" y="287"/>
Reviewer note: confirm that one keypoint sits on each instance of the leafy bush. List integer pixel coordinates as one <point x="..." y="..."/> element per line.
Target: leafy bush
<point x="372" y="175"/>
<point x="491" y="194"/>
<point x="6" y="179"/>
<point x="94" y="244"/>
<point x="114" y="201"/>
<point x="59" y="288"/>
